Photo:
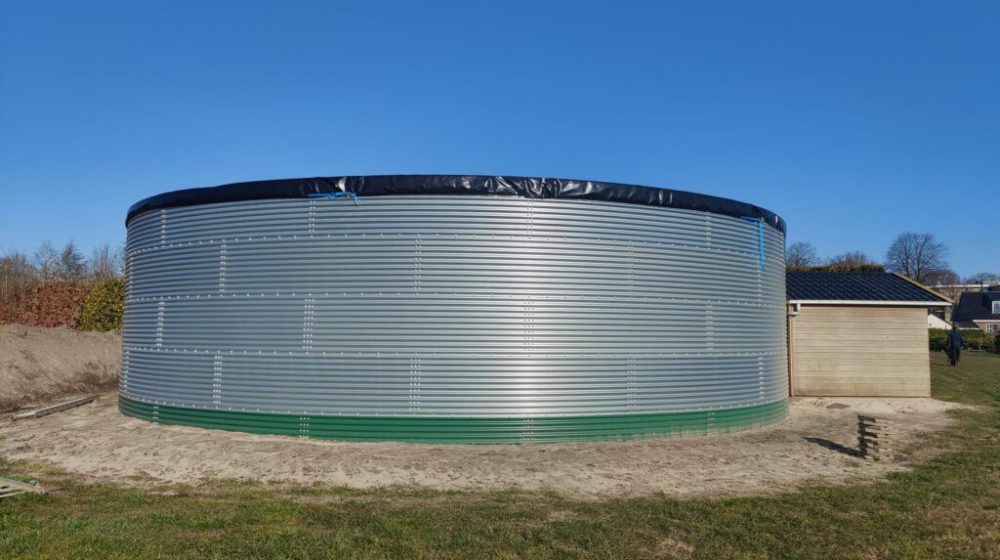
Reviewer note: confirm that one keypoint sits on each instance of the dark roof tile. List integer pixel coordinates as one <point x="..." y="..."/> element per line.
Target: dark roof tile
<point x="855" y="286"/>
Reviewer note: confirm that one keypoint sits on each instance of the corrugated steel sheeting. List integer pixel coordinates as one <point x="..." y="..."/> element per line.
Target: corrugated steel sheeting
<point x="473" y="309"/>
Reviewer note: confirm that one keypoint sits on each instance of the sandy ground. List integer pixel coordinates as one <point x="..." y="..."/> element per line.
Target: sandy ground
<point x="814" y="445"/>
<point x="97" y="443"/>
<point x="37" y="363"/>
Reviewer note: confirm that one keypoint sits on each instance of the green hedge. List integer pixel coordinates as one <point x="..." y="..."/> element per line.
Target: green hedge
<point x="978" y="340"/>
<point x="938" y="339"/>
<point x="975" y="339"/>
<point x="839" y="267"/>
<point x="104" y="307"/>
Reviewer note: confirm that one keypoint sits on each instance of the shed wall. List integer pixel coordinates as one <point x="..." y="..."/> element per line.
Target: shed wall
<point x="860" y="351"/>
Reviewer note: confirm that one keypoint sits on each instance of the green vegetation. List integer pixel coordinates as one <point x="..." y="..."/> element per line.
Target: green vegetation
<point x="104" y="307"/>
<point x="52" y="287"/>
<point x="947" y="507"/>
<point x="974" y="340"/>
<point x="840" y="267"/>
<point x="938" y="339"/>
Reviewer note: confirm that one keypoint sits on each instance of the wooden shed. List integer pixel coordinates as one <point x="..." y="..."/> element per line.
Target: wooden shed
<point x="858" y="334"/>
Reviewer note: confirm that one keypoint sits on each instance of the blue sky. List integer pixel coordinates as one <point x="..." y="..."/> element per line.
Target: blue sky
<point x="854" y="121"/>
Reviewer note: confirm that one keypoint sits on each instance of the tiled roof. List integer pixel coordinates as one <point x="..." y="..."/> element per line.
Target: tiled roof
<point x="855" y="286"/>
<point x="976" y="305"/>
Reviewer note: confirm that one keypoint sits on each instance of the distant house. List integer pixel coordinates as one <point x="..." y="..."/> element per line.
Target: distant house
<point x="979" y="310"/>
<point x="858" y="334"/>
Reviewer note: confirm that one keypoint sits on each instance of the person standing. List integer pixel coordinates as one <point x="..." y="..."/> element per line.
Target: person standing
<point x="954" y="346"/>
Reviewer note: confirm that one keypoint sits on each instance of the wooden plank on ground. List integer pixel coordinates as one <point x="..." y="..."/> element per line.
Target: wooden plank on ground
<point x="45" y="411"/>
<point x="10" y="487"/>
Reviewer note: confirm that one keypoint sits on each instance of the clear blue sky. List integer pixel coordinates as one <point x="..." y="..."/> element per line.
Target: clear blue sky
<point x="854" y="121"/>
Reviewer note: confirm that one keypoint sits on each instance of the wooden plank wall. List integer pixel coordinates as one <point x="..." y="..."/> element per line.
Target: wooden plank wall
<point x="855" y="351"/>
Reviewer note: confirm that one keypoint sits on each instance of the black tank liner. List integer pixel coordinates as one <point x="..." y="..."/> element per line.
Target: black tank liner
<point x="473" y="185"/>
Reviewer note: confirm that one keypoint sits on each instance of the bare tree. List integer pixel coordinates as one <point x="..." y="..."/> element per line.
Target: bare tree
<point x="916" y="255"/>
<point x="943" y="277"/>
<point x="46" y="260"/>
<point x="851" y="261"/>
<point x="16" y="271"/>
<point x="71" y="264"/>
<point x="850" y="258"/>
<point x="801" y="254"/>
<point x="105" y="263"/>
<point x="985" y="278"/>
<point x="946" y="282"/>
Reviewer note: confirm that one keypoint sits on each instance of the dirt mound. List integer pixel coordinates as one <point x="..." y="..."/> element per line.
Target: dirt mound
<point x="38" y="363"/>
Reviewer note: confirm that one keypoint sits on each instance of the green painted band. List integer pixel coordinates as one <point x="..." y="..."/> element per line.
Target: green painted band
<point x="466" y="430"/>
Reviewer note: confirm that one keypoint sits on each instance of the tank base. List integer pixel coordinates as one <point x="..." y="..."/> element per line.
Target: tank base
<point x="464" y="429"/>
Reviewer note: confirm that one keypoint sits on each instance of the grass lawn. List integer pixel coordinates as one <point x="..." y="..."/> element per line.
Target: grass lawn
<point x="948" y="507"/>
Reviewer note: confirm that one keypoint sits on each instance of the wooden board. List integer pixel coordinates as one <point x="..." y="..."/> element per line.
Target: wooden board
<point x="855" y="351"/>
<point x="10" y="487"/>
<point x="52" y="409"/>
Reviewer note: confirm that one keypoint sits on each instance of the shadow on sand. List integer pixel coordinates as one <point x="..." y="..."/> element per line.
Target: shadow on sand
<point x="832" y="445"/>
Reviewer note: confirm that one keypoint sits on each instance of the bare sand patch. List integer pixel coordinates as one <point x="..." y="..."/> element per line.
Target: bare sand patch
<point x="38" y="363"/>
<point x="812" y="446"/>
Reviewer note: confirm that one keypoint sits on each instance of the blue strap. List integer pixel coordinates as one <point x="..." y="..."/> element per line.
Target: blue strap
<point x="760" y="234"/>
<point x="337" y="194"/>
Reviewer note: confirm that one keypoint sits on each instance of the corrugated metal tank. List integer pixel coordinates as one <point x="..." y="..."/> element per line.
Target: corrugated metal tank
<point x="454" y="318"/>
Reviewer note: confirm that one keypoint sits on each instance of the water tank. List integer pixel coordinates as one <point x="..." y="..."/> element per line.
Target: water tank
<point x="467" y="309"/>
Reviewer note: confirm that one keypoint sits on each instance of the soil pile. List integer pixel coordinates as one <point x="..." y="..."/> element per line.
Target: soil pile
<point x="38" y="363"/>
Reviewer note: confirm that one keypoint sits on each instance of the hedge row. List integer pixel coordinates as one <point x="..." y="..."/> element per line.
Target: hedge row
<point x="104" y="307"/>
<point x="97" y="306"/>
<point x="45" y="304"/>
<point x="974" y="340"/>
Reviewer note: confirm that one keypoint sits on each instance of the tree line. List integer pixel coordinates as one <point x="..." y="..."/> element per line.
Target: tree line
<point x="916" y="255"/>
<point x="68" y="264"/>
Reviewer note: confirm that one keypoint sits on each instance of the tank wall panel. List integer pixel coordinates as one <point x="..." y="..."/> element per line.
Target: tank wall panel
<point x="436" y="306"/>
